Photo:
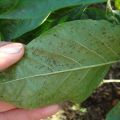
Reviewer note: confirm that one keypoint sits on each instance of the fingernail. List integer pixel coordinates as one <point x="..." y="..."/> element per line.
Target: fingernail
<point x="12" y="48"/>
<point x="52" y="108"/>
<point x="3" y="43"/>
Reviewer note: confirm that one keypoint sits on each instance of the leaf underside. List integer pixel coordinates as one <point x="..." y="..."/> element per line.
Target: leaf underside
<point x="66" y="63"/>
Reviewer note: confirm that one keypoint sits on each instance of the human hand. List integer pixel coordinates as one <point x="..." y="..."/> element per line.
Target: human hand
<point x="10" y="53"/>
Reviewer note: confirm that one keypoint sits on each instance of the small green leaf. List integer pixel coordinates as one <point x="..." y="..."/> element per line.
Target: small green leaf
<point x="117" y="4"/>
<point x="95" y="13"/>
<point x="66" y="63"/>
<point x="117" y="15"/>
<point x="114" y="114"/>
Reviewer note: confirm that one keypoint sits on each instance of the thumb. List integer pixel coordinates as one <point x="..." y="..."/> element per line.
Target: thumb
<point x="10" y="53"/>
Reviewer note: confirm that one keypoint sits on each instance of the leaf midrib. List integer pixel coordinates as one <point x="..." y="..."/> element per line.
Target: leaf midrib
<point x="57" y="72"/>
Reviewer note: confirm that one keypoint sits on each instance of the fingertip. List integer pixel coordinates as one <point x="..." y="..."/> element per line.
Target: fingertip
<point x="6" y="106"/>
<point x="10" y="54"/>
<point x="45" y="112"/>
<point x="37" y="114"/>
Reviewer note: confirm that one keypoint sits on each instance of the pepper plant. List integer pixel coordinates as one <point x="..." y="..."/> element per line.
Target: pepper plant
<point x="70" y="46"/>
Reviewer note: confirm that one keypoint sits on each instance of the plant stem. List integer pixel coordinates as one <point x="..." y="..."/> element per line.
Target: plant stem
<point x="111" y="81"/>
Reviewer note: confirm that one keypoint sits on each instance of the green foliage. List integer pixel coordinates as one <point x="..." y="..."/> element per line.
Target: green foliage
<point x="60" y="64"/>
<point x="64" y="15"/>
<point x="117" y="4"/>
<point x="57" y="17"/>
<point x="68" y="54"/>
<point x="21" y="16"/>
<point x="117" y="15"/>
<point x="114" y="114"/>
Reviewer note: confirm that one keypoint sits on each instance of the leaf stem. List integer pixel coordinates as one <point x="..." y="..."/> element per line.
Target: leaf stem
<point x="111" y="81"/>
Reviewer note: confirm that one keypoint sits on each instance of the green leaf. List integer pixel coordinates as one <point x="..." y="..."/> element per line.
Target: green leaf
<point x="13" y="28"/>
<point x="95" y="13"/>
<point x="117" y="15"/>
<point x="61" y="16"/>
<point x="66" y="63"/>
<point x="28" y="9"/>
<point x="6" y="5"/>
<point x="26" y="15"/>
<point x="57" y="17"/>
<point x="114" y="114"/>
<point x="117" y="4"/>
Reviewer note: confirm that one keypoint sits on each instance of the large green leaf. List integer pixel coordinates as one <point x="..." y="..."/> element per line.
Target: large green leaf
<point x="57" y="17"/>
<point x="66" y="63"/>
<point x="64" y="15"/>
<point x="28" y="9"/>
<point x="26" y="15"/>
<point x="114" y="114"/>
